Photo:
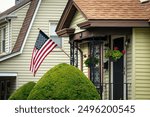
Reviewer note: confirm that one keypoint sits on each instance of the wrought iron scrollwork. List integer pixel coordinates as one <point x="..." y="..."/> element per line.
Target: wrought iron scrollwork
<point x="95" y="47"/>
<point x="74" y="53"/>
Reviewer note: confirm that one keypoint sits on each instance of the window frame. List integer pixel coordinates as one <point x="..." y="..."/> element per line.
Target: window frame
<point x="55" y="22"/>
<point x="3" y="40"/>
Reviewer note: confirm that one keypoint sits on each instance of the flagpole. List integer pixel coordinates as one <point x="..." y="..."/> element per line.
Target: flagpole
<point x="64" y="52"/>
<point x="58" y="47"/>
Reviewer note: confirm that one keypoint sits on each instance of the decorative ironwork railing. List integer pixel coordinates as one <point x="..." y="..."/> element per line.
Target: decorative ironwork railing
<point x="106" y="90"/>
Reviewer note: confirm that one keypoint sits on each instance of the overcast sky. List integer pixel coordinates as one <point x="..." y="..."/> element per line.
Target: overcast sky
<point x="5" y="4"/>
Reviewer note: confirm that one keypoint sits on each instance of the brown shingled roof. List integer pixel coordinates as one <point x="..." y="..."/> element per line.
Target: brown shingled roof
<point x="10" y="10"/>
<point x="147" y="7"/>
<point x="112" y="9"/>
<point x="105" y="13"/>
<point x="25" y="26"/>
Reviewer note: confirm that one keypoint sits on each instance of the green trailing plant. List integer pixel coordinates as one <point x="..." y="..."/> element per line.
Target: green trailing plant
<point x="114" y="54"/>
<point x="91" y="61"/>
<point x="64" y="82"/>
<point x="23" y="92"/>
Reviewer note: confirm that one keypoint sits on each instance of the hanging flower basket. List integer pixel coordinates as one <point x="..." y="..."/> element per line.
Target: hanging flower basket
<point x="91" y="61"/>
<point x="114" y="54"/>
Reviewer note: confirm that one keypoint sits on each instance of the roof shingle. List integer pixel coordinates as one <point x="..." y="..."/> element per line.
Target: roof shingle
<point x="114" y="9"/>
<point x="25" y="26"/>
<point x="10" y="10"/>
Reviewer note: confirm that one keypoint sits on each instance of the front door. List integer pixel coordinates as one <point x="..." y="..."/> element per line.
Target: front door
<point x="118" y="71"/>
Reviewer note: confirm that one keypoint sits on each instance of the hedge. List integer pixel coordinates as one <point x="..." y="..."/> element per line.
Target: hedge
<point x="64" y="82"/>
<point x="23" y="92"/>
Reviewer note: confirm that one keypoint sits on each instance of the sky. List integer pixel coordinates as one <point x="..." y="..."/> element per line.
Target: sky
<point x="5" y="4"/>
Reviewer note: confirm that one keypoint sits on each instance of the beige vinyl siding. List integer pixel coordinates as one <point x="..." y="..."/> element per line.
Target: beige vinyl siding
<point x="142" y="62"/>
<point x="105" y="75"/>
<point x="77" y="19"/>
<point x="48" y="10"/>
<point x="129" y="68"/>
<point x="84" y="48"/>
<point x="16" y="23"/>
<point x="106" y="85"/>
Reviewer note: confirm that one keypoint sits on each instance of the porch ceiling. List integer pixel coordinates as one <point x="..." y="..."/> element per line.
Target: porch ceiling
<point x="100" y="33"/>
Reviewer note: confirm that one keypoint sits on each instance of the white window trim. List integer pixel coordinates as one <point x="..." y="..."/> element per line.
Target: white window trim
<point x="62" y="44"/>
<point x="50" y="22"/>
<point x="3" y="74"/>
<point x="2" y="39"/>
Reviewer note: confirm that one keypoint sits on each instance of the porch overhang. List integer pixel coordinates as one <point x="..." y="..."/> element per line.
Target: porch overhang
<point x="100" y="32"/>
<point x="66" y="32"/>
<point x="114" y="23"/>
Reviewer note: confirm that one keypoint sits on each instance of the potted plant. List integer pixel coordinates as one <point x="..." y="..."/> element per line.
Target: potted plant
<point x="114" y="54"/>
<point x="91" y="61"/>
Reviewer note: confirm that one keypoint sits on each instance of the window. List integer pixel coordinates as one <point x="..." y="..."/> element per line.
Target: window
<point x="53" y="35"/>
<point x="3" y="39"/>
<point x="6" y="88"/>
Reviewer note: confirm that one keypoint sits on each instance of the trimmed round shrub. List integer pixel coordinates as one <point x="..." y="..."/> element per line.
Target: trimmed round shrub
<point x="23" y="92"/>
<point x="64" y="82"/>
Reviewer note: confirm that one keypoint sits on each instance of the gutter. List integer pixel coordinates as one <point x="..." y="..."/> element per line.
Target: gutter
<point x="7" y="17"/>
<point x="7" y="56"/>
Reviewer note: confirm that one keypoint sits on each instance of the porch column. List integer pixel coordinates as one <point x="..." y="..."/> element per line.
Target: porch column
<point x="74" y="53"/>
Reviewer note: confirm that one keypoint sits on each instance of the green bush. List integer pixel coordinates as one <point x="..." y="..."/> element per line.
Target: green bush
<point x="22" y="92"/>
<point x="64" y="82"/>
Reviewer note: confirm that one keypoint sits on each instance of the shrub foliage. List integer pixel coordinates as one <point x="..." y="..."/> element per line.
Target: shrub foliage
<point x="23" y="92"/>
<point x="64" y="82"/>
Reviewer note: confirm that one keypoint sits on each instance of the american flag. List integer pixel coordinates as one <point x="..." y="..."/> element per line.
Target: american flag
<point x="43" y="46"/>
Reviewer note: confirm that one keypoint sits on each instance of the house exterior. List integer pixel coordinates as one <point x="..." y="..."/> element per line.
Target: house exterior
<point x="19" y="28"/>
<point x="93" y="27"/>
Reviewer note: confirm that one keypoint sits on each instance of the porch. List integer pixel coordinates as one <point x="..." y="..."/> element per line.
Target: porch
<point x="112" y="79"/>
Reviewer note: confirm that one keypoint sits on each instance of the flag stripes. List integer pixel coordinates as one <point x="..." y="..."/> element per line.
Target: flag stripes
<point x="39" y="54"/>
